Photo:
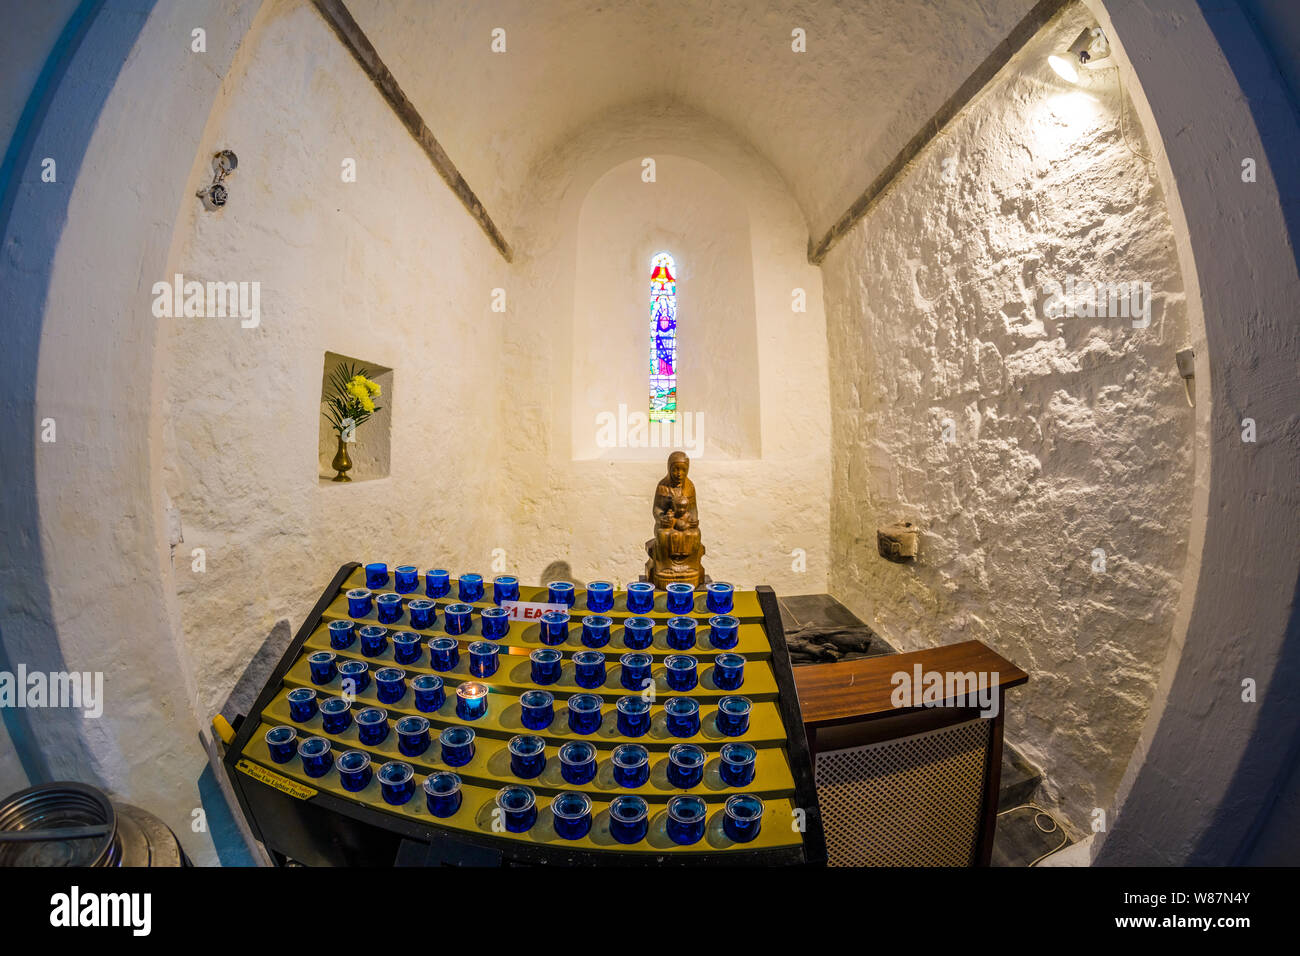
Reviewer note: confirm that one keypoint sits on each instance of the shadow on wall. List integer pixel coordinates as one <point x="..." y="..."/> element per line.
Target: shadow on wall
<point x="28" y="635"/>
<point x="1260" y="79"/>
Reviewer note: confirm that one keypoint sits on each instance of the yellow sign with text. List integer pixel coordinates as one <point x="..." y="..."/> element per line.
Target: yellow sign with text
<point x="272" y="779"/>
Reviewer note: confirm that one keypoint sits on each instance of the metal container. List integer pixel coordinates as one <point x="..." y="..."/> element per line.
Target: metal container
<point x="71" y="824"/>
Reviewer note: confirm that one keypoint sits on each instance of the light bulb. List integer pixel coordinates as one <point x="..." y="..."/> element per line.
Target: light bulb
<point x="1064" y="68"/>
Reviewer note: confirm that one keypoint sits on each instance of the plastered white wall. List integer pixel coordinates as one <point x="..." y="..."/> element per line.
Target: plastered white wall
<point x="693" y="214"/>
<point x="1070" y="435"/>
<point x="388" y="269"/>
<point x="763" y="520"/>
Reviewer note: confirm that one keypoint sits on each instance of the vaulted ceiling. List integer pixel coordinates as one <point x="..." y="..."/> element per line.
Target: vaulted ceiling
<point x="828" y="119"/>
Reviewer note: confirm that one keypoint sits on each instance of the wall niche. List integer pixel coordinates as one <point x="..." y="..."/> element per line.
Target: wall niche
<point x="371" y="453"/>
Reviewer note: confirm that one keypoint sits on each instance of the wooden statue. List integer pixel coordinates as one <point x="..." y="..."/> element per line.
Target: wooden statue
<point x="675" y="550"/>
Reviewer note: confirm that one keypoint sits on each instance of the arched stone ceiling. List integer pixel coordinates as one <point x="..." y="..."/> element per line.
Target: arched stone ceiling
<point x="828" y="119"/>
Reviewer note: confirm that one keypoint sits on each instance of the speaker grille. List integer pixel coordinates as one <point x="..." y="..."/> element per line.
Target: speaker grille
<point x="912" y="801"/>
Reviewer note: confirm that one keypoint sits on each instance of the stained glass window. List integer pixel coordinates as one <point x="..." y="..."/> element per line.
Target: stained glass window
<point x="663" y="338"/>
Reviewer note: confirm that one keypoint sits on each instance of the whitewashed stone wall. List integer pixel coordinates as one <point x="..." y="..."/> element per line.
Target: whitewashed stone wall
<point x="1070" y="435"/>
<point x="388" y="269"/>
<point x="755" y="512"/>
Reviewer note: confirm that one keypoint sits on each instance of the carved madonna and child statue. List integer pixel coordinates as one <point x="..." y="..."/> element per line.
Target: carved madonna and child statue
<point x="676" y="550"/>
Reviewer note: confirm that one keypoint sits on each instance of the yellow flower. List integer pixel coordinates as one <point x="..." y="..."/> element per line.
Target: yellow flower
<point x="367" y="404"/>
<point x="373" y="386"/>
<point x="358" y="391"/>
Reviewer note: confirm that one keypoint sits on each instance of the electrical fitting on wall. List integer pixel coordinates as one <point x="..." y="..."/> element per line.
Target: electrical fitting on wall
<point x="214" y="196"/>
<point x="1186" y="359"/>
<point x="1088" y="48"/>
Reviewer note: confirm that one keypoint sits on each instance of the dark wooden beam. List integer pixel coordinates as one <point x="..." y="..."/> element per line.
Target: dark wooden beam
<point x="1033" y="21"/>
<point x="337" y="15"/>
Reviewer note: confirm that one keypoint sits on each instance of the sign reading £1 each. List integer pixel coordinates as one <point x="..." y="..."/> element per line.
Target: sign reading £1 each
<point x="530" y="610"/>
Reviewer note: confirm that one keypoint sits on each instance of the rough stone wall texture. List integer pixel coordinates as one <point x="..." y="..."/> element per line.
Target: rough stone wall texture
<point x="389" y="269"/>
<point x="595" y="514"/>
<point x="1070" y="434"/>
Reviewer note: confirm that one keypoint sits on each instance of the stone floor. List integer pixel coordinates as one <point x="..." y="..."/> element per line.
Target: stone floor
<point x="819" y="629"/>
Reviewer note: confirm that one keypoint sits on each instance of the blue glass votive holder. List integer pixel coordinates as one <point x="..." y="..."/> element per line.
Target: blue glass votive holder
<point x="359" y="602"/>
<point x="681" y="671"/>
<point x="397" y="782"/>
<point x="317" y="758"/>
<point x="354" y="677"/>
<point x="634" y="671"/>
<point x="595" y="630"/>
<point x="495" y="622"/>
<point x="335" y="715"/>
<point x="471" y="700"/>
<point x="555" y="627"/>
<point x="577" y="762"/>
<point x="685" y="765"/>
<point x="633" y="716"/>
<point x="483" y="658"/>
<point x="527" y="756"/>
<point x="589" y="669"/>
<point x="505" y="587"/>
<point x="629" y="819"/>
<point x="584" y="713"/>
<point x="323" y="667"/>
<point x="456" y="618"/>
<point x="737" y="764"/>
<point x="376" y="576"/>
<point x="444" y="653"/>
<point x="430" y="694"/>
<point x="572" y="814"/>
<point x="354" y="770"/>
<point x="374" y="640"/>
<point x="728" y="671"/>
<point x="638" y="633"/>
<point x="342" y="634"/>
<point x="742" y="817"/>
<point x="732" y="718"/>
<point x="282" y="741"/>
<point x="437" y="582"/>
<point x="721" y="597"/>
<point x="406" y="647"/>
<point x="600" y="597"/>
<point x="561" y="592"/>
<point x="469" y="588"/>
<point x="537" y="709"/>
<point x="424" y="613"/>
<point x="457" y="745"/>
<point x="687" y="818"/>
<point x="406" y="578"/>
<point x="631" y="766"/>
<point x="372" y="726"/>
<point x="545" y="665"/>
<point x="681" y="633"/>
<point x="442" y="793"/>
<point x="518" y="806"/>
<point x="681" y="598"/>
<point x="724" y="631"/>
<point x="390" y="684"/>
<point x="302" y="704"/>
<point x="413" y="735"/>
<point x="390" y="608"/>
<point x="640" y="597"/>
<point x="682" y="715"/>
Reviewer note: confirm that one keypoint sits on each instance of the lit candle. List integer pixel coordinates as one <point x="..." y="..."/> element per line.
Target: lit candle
<point x="471" y="700"/>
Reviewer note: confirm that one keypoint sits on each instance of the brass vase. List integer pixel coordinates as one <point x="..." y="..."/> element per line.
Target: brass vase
<point x="341" y="463"/>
